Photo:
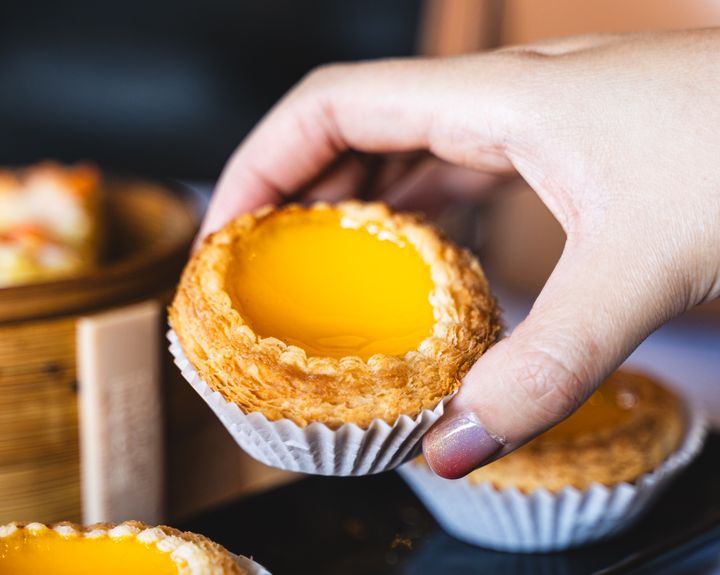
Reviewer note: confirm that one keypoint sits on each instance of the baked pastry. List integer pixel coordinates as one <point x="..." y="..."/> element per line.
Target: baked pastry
<point x="131" y="547"/>
<point x="585" y="480"/>
<point x="49" y="222"/>
<point x="333" y="314"/>
<point x="628" y="427"/>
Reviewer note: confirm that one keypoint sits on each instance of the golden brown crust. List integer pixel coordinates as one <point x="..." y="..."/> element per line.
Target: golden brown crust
<point x="200" y="555"/>
<point x="281" y="381"/>
<point x="653" y="429"/>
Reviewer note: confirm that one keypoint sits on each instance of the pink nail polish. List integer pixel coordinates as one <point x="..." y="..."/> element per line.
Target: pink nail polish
<point x="457" y="446"/>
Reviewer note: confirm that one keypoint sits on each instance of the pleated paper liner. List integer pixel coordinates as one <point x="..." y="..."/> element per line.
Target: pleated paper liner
<point x="250" y="566"/>
<point x="315" y="448"/>
<point x="540" y="520"/>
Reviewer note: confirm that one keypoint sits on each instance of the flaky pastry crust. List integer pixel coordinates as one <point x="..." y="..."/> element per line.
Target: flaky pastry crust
<point x="282" y="381"/>
<point x="194" y="554"/>
<point x="653" y="431"/>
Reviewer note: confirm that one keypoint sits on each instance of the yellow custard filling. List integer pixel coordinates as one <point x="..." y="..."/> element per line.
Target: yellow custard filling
<point x="49" y="553"/>
<point x="331" y="286"/>
<point x="610" y="406"/>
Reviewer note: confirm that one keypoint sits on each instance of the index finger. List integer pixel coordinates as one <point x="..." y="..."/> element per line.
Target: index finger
<point x="387" y="106"/>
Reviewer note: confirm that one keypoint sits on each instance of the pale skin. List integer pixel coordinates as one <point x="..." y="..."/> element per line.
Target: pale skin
<point x="618" y="135"/>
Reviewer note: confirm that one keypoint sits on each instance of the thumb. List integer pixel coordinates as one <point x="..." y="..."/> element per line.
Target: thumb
<point x="596" y="307"/>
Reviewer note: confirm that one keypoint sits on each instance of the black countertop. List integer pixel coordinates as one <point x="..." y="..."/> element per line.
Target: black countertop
<point x="376" y="525"/>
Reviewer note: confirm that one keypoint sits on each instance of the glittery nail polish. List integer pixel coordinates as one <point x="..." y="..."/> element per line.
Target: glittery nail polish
<point x="457" y="446"/>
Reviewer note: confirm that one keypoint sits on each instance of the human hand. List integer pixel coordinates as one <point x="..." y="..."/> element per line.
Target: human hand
<point x="618" y="135"/>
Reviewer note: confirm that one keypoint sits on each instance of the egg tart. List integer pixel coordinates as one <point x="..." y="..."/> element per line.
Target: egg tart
<point x="628" y="427"/>
<point x="129" y="548"/>
<point x="586" y="479"/>
<point x="333" y="314"/>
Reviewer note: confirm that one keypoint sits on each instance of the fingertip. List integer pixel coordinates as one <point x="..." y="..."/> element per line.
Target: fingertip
<point x="456" y="446"/>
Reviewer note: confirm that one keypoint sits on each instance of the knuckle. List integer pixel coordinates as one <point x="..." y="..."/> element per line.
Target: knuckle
<point x="550" y="390"/>
<point x="322" y="75"/>
<point x="529" y="55"/>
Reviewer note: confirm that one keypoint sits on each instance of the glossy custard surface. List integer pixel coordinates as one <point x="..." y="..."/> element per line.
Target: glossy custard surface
<point x="322" y="282"/>
<point x="48" y="553"/>
<point x="610" y="406"/>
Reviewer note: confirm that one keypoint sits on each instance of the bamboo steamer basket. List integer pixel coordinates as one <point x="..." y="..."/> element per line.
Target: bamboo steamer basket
<point x="149" y="230"/>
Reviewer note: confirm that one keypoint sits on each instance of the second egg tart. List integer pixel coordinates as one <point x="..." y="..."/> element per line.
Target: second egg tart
<point x="333" y="314"/>
<point x="130" y="548"/>
<point x="586" y="479"/>
<point x="628" y="427"/>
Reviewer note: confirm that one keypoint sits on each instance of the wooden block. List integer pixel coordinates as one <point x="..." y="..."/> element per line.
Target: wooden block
<point x="121" y="439"/>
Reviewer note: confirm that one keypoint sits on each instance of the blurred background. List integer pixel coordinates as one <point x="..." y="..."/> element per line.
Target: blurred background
<point x="169" y="88"/>
<point x="166" y="90"/>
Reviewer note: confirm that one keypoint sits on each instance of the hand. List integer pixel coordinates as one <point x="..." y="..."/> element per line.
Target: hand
<point x="618" y="135"/>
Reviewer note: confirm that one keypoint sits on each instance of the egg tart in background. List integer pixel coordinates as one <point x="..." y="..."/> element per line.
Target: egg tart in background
<point x="628" y="427"/>
<point x="128" y="548"/>
<point x="587" y="478"/>
<point x="330" y="316"/>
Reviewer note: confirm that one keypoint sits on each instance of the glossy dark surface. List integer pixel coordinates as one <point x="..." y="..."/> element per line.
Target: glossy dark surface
<point x="375" y="524"/>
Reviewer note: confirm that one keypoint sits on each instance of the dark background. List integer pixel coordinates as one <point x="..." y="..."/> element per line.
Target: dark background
<point x="168" y="88"/>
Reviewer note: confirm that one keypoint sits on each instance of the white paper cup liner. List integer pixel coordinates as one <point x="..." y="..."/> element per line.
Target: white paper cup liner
<point x="510" y="520"/>
<point x="250" y="566"/>
<point x="315" y="448"/>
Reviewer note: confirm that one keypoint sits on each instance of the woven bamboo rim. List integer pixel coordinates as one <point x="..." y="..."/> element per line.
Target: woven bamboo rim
<point x="151" y="229"/>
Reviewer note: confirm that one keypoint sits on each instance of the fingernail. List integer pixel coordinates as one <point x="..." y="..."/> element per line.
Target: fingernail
<point x="457" y="446"/>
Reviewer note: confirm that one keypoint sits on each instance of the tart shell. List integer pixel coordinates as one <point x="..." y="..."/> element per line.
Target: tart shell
<point x="282" y="382"/>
